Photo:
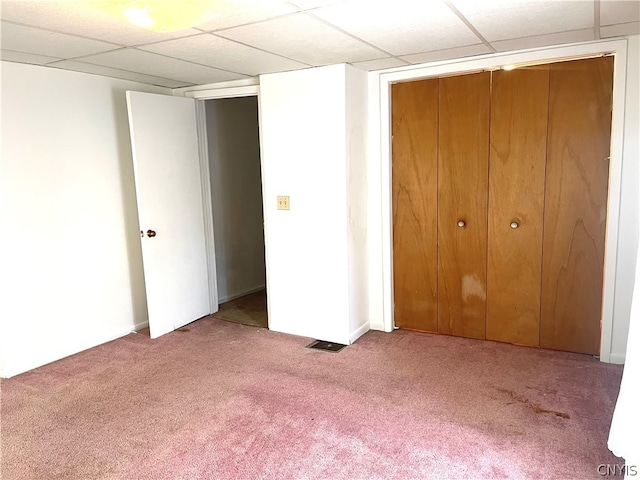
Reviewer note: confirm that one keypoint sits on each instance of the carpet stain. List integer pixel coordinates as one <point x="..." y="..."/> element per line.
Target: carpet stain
<point x="535" y="407"/>
<point x="547" y="391"/>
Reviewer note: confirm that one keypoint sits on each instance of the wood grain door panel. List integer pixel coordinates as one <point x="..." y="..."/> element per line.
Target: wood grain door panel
<point x="576" y="204"/>
<point x="463" y="156"/>
<point x="519" y="107"/>
<point x="415" y="200"/>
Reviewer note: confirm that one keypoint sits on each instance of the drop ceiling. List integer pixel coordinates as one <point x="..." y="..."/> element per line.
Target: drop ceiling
<point x="253" y="37"/>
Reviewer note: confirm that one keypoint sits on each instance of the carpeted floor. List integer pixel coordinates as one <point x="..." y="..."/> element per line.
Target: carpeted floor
<point x="248" y="310"/>
<point x="222" y="400"/>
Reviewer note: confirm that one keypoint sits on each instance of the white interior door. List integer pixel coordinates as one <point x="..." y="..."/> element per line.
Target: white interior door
<point x="164" y="142"/>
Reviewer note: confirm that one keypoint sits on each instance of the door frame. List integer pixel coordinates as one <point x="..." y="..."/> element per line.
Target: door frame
<point x="380" y="200"/>
<point x="200" y="95"/>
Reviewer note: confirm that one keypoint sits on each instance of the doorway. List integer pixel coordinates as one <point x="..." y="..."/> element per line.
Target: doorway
<point x="236" y="195"/>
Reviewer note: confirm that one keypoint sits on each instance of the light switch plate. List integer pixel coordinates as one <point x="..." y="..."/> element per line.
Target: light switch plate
<point x="283" y="202"/>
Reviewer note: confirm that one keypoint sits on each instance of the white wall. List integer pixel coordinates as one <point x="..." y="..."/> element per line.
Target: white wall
<point x="357" y="130"/>
<point x="236" y="193"/>
<point x="71" y="268"/>
<point x="624" y="436"/>
<point x="304" y="155"/>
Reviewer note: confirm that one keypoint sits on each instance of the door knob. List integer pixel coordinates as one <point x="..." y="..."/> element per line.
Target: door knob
<point x="151" y="233"/>
<point x="514" y="224"/>
<point x="461" y="223"/>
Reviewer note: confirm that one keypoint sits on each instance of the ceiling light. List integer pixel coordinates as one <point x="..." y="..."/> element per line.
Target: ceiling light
<point x="508" y="67"/>
<point x="138" y="16"/>
<point x="162" y="15"/>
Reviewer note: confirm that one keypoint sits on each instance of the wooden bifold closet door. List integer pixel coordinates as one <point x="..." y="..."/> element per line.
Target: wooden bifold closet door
<point x="440" y="167"/>
<point x="516" y="203"/>
<point x="463" y="163"/>
<point x="415" y="199"/>
<point x="578" y="145"/>
<point x="499" y="203"/>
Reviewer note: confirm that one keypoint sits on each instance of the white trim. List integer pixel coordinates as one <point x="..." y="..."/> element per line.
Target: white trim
<point x="244" y="82"/>
<point x="265" y="214"/>
<point x="613" y="207"/>
<point x="207" y="205"/>
<point x="617" y="358"/>
<point x="2" y="375"/>
<point x="140" y="326"/>
<point x="242" y="294"/>
<point x="231" y="92"/>
<point x="382" y="152"/>
<point x="356" y="334"/>
<point x="377" y="304"/>
<point x="244" y="88"/>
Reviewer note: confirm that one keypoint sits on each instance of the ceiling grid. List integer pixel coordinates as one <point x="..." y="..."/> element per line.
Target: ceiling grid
<point x="248" y="38"/>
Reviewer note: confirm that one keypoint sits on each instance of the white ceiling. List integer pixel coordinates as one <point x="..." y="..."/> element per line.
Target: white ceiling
<point x="252" y="37"/>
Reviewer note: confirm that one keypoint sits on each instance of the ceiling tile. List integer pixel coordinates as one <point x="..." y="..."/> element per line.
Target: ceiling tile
<point x="42" y="42"/>
<point x="253" y="37"/>
<point x="231" y="13"/>
<point x="380" y="64"/>
<point x="306" y="40"/>
<point x="544" y="40"/>
<point x="632" y="28"/>
<point x="506" y="19"/>
<point x="619" y="11"/>
<point x="459" y="52"/>
<point x="423" y="26"/>
<point x="21" y="57"/>
<point x="151" y="64"/>
<point x="83" y="18"/>
<point x="211" y="50"/>
<point x="115" y="73"/>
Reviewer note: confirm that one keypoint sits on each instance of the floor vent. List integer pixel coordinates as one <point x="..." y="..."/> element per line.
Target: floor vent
<point x="326" y="346"/>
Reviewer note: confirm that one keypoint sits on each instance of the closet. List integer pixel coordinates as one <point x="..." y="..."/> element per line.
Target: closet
<point x="499" y="203"/>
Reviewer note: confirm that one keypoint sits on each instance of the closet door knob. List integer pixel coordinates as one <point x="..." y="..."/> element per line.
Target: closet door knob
<point x="461" y="223"/>
<point x="514" y="224"/>
<point x="151" y="233"/>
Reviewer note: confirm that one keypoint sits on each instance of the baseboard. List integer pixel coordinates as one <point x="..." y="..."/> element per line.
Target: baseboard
<point x="356" y="334"/>
<point x="140" y="326"/>
<point x="228" y="298"/>
<point x="2" y="375"/>
<point x="617" y="358"/>
<point x="376" y="326"/>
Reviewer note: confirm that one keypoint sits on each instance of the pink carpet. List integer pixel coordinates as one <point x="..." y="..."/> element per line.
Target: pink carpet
<point x="224" y="401"/>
